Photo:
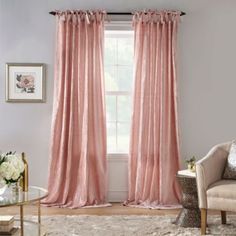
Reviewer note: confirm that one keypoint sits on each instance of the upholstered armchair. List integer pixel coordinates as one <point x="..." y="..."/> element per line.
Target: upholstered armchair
<point x="214" y="192"/>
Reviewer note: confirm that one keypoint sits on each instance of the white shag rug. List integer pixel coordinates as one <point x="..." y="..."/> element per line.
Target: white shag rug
<point x="132" y="225"/>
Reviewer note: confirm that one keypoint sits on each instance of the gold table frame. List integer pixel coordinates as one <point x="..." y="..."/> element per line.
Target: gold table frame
<point x="23" y="202"/>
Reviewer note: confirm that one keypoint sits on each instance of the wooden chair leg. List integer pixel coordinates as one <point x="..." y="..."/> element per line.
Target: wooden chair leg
<point x="203" y="221"/>
<point x="223" y="217"/>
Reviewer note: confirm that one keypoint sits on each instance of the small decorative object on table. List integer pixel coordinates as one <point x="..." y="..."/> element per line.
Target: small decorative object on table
<point x="191" y="164"/>
<point x="11" y="170"/>
<point x="7" y="226"/>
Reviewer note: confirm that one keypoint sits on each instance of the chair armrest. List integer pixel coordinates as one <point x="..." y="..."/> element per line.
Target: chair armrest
<point x="210" y="169"/>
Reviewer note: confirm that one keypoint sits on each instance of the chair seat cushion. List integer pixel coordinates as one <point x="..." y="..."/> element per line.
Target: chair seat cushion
<point x="222" y="195"/>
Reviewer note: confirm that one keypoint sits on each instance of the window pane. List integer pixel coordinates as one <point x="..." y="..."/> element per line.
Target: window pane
<point x="110" y="78"/>
<point x="118" y="69"/>
<point x="125" y="78"/>
<point x="124" y="108"/>
<point x="111" y="107"/>
<point x="125" y="51"/>
<point x="111" y="137"/>
<point x="110" y="57"/>
<point x="123" y="131"/>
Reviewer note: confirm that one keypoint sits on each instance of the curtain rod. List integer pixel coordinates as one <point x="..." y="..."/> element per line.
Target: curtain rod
<point x="116" y="13"/>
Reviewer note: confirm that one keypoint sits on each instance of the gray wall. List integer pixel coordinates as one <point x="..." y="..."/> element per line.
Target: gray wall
<point x="207" y="78"/>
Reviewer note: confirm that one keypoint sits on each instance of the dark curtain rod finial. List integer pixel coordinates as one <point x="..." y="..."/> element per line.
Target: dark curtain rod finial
<point x="116" y="13"/>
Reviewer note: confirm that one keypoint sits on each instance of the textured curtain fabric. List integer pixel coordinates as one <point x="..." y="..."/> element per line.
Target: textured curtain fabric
<point x="154" y="148"/>
<point x="77" y="176"/>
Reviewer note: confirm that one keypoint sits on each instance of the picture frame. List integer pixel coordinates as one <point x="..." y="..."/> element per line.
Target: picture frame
<point x="25" y="82"/>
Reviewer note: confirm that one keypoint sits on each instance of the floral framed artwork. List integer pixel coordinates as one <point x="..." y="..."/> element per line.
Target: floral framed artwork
<point x="25" y="82"/>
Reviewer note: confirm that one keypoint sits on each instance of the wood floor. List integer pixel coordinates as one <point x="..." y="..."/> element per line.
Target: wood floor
<point x="115" y="209"/>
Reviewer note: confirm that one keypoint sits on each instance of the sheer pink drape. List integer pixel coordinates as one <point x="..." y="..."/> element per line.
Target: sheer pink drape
<point x="77" y="175"/>
<point x="154" y="148"/>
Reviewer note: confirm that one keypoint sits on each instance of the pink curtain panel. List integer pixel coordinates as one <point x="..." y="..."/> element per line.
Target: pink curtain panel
<point x="154" y="148"/>
<point x="78" y="171"/>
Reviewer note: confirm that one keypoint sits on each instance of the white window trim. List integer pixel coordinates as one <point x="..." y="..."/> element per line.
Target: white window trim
<point x="118" y="25"/>
<point x="124" y="93"/>
<point x="117" y="157"/>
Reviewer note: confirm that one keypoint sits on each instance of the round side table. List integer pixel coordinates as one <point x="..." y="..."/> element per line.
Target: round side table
<point x="34" y="195"/>
<point x="190" y="215"/>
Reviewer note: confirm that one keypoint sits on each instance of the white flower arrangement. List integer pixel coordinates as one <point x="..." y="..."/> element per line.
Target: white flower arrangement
<point x="11" y="167"/>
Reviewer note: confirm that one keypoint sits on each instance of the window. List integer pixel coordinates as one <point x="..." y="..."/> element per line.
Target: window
<point x="118" y="85"/>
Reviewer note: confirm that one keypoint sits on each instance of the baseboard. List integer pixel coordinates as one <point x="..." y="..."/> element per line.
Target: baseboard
<point x="117" y="196"/>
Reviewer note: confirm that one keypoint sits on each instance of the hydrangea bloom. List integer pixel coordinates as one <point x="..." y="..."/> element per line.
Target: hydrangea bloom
<point x="11" y="167"/>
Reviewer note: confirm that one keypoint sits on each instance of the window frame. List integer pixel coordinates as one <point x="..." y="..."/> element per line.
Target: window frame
<point x="113" y="27"/>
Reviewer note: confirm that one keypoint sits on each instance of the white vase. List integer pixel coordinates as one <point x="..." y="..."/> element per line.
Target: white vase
<point x="15" y="188"/>
<point x="3" y="189"/>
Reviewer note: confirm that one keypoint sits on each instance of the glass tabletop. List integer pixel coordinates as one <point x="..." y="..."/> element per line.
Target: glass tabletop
<point x="34" y="194"/>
